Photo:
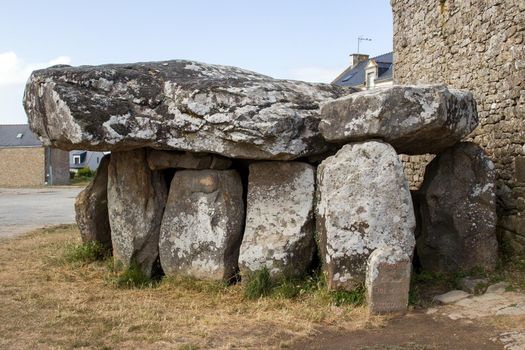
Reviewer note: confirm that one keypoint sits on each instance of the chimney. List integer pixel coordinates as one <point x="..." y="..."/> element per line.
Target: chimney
<point x="357" y="58"/>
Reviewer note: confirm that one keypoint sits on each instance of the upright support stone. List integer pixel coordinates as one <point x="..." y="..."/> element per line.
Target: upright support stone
<point x="91" y="208"/>
<point x="363" y="204"/>
<point x="202" y="225"/>
<point x="136" y="200"/>
<point x="388" y="280"/>
<point x="458" y="211"/>
<point x="279" y="221"/>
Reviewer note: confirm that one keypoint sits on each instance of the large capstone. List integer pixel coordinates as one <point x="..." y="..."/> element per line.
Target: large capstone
<point x="177" y="105"/>
<point x="136" y="200"/>
<point x="363" y="203"/>
<point x="413" y="119"/>
<point x="458" y="211"/>
<point x="91" y="208"/>
<point x="279" y="233"/>
<point x="202" y="225"/>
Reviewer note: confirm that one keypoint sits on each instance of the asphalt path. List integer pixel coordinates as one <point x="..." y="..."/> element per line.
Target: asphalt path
<point x="26" y="209"/>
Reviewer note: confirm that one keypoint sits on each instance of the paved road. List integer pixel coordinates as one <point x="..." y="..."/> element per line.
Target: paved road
<point x="26" y="209"/>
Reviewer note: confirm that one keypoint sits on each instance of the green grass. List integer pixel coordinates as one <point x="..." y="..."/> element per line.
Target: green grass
<point x="355" y="297"/>
<point x="85" y="253"/>
<point x="260" y="284"/>
<point x="133" y="277"/>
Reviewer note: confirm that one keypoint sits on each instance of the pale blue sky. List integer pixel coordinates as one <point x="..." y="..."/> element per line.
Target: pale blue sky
<point x="296" y="39"/>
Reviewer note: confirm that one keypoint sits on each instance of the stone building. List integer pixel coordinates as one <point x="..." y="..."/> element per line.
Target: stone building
<point x="476" y="45"/>
<point x="24" y="161"/>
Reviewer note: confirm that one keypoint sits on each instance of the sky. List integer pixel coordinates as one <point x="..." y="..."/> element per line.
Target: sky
<point x="307" y="40"/>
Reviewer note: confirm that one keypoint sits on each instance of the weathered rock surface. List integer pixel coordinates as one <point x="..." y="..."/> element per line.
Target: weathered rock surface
<point x="177" y="105"/>
<point x="279" y="233"/>
<point x="136" y="200"/>
<point x="202" y="225"/>
<point x="158" y="160"/>
<point x="413" y="119"/>
<point x="458" y="211"/>
<point x="388" y="280"/>
<point x="91" y="208"/>
<point x="363" y="204"/>
<point x="451" y="297"/>
<point x="497" y="288"/>
<point x="473" y="285"/>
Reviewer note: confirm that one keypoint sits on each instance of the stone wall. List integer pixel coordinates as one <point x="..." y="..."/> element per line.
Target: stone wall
<point x="22" y="167"/>
<point x="414" y="167"/>
<point x="476" y="45"/>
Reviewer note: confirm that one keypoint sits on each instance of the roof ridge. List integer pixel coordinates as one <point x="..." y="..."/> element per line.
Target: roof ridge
<point x="14" y="124"/>
<point x="383" y="54"/>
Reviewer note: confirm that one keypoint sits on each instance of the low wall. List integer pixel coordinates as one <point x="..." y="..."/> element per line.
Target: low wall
<point x="22" y="167"/>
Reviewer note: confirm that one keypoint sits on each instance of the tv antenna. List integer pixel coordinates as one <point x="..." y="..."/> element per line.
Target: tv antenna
<point x="361" y="38"/>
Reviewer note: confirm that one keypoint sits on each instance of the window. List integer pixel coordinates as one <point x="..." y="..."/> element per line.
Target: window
<point x="19" y="136"/>
<point x="98" y="160"/>
<point x="76" y="160"/>
<point x="370" y="80"/>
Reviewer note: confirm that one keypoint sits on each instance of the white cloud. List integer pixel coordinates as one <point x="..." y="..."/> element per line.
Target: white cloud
<point x="315" y="74"/>
<point x="14" y="71"/>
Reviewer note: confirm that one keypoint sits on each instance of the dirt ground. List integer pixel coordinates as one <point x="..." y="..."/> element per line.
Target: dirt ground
<point x="48" y="303"/>
<point x="416" y="330"/>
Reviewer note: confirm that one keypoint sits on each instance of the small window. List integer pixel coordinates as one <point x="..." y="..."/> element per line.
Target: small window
<point x="98" y="160"/>
<point x="76" y="160"/>
<point x="19" y="136"/>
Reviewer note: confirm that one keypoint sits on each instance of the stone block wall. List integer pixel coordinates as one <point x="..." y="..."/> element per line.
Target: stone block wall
<point x="476" y="45"/>
<point x="22" y="167"/>
<point x="414" y="167"/>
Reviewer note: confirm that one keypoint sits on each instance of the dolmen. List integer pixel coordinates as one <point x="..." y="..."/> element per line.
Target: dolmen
<point x="217" y="171"/>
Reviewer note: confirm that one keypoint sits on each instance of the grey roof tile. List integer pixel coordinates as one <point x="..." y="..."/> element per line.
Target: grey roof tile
<point x="18" y="135"/>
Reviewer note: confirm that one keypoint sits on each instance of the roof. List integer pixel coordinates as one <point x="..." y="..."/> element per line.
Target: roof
<point x="354" y="76"/>
<point x="18" y="135"/>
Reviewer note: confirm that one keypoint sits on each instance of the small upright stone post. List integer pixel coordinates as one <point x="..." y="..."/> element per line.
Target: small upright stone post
<point x="388" y="281"/>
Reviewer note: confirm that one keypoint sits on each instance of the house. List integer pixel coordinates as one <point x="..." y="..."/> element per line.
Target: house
<point x="367" y="73"/>
<point x="80" y="159"/>
<point x="24" y="161"/>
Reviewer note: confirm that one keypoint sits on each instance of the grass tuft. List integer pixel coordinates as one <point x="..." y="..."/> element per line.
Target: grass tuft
<point x="356" y="297"/>
<point x="133" y="277"/>
<point x="85" y="253"/>
<point x="258" y="284"/>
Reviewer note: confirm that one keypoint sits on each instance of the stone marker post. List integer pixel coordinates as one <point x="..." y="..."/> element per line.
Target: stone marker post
<point x="388" y="281"/>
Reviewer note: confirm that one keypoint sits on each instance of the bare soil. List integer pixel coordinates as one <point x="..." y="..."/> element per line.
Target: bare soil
<point x="416" y="330"/>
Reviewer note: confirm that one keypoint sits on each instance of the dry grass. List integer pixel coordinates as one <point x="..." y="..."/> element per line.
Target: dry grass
<point x="48" y="303"/>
